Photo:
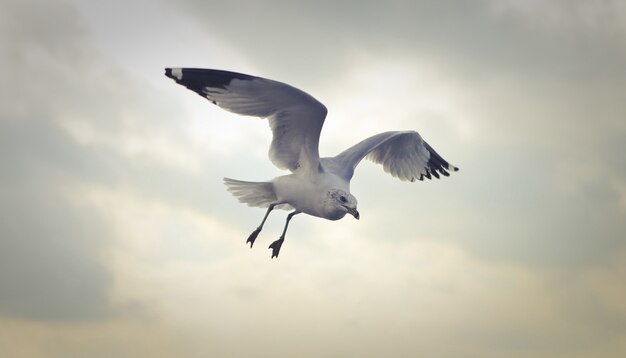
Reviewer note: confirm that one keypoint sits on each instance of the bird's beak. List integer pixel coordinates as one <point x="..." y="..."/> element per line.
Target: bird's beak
<point x="354" y="213"/>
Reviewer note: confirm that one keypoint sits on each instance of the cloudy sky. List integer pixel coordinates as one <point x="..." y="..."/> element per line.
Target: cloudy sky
<point x="117" y="238"/>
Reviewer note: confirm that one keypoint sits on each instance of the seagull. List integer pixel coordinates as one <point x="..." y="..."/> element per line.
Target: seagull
<point x="316" y="186"/>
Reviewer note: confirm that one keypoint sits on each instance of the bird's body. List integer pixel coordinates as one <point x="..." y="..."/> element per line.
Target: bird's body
<point x="316" y="186"/>
<point x="308" y="194"/>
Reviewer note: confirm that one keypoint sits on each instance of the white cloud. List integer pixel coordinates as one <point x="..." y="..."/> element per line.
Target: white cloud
<point x="153" y="145"/>
<point x="426" y="294"/>
<point x="393" y="94"/>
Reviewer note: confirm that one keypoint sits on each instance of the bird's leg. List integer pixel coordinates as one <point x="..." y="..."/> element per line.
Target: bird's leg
<point x="256" y="232"/>
<point x="275" y="246"/>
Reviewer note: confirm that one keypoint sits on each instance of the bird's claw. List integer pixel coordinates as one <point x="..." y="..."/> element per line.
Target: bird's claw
<point x="275" y="246"/>
<point x="253" y="236"/>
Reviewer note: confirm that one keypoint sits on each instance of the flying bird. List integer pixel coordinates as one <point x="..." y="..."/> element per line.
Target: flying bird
<point x="316" y="186"/>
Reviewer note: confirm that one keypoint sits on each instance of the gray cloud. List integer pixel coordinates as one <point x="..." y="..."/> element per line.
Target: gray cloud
<point x="50" y="248"/>
<point x="544" y="87"/>
<point x="480" y="38"/>
<point x="53" y="244"/>
<point x="66" y="78"/>
<point x="50" y="257"/>
<point x="519" y="254"/>
<point x="543" y="71"/>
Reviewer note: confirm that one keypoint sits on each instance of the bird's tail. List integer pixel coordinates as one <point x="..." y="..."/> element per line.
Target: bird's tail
<point x="258" y="194"/>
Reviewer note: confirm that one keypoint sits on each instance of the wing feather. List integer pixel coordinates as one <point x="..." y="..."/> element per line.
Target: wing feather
<point x="403" y="154"/>
<point x="295" y="117"/>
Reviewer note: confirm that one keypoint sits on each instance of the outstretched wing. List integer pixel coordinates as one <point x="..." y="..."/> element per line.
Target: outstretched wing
<point x="295" y="117"/>
<point x="403" y="154"/>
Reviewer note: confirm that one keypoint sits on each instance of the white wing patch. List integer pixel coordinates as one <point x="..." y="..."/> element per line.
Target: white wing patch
<point x="177" y="73"/>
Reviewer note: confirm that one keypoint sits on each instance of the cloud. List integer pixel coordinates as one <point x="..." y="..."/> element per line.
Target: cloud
<point x="120" y="338"/>
<point x="413" y="296"/>
<point x="117" y="237"/>
<point x="545" y="80"/>
<point x="51" y="245"/>
<point x="479" y="37"/>
<point x="69" y="118"/>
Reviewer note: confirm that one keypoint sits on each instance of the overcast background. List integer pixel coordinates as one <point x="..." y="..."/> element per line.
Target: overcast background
<point x="117" y="238"/>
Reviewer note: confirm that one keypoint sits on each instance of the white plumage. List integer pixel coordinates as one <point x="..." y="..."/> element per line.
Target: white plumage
<point x="316" y="186"/>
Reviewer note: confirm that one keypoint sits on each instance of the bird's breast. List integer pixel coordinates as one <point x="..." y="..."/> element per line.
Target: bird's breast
<point x="335" y="215"/>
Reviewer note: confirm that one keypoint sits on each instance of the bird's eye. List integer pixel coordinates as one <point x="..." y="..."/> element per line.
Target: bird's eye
<point x="343" y="199"/>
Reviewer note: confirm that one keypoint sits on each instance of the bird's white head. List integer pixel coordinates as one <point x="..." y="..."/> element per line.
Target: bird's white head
<point x="339" y="203"/>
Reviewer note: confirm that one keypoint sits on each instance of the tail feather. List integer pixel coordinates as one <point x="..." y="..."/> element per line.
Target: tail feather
<point x="256" y="194"/>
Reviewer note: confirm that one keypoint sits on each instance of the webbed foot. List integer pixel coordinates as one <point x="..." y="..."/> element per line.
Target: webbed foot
<point x="275" y="246"/>
<point x="253" y="236"/>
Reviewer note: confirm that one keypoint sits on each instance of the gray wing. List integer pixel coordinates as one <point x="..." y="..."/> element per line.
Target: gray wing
<point x="403" y="154"/>
<point x="295" y="117"/>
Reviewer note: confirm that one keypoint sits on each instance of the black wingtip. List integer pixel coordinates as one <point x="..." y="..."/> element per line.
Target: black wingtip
<point x="168" y="72"/>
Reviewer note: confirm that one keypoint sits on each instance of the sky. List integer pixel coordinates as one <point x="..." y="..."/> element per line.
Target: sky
<point x="118" y="238"/>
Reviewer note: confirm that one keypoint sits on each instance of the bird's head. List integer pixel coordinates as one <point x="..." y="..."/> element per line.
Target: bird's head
<point x="343" y="202"/>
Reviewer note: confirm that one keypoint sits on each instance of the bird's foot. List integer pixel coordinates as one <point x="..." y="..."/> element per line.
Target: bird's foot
<point x="253" y="236"/>
<point x="275" y="246"/>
